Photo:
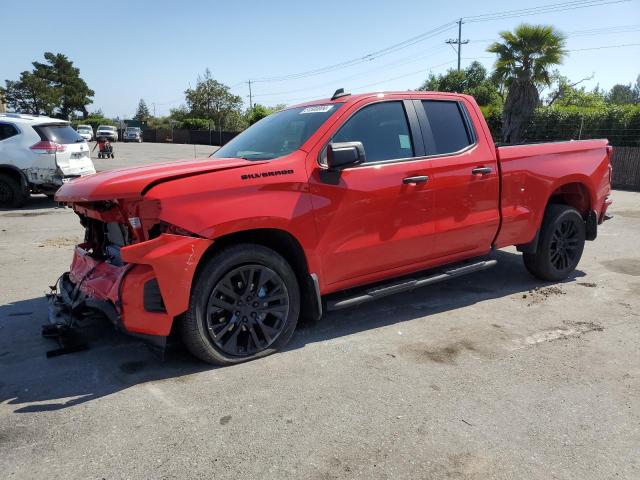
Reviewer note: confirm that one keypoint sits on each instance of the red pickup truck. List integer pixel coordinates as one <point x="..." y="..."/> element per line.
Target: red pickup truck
<point x="323" y="205"/>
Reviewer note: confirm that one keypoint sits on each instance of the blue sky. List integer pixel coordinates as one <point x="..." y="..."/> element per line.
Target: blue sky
<point x="154" y="50"/>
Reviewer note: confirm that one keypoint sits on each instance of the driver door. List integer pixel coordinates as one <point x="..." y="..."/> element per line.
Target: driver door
<point x="376" y="216"/>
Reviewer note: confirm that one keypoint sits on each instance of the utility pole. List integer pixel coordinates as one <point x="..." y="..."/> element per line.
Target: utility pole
<point x="459" y="42"/>
<point x="154" y="109"/>
<point x="250" y="97"/>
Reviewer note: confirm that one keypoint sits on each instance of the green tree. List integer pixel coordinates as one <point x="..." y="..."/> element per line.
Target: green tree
<point x="63" y="77"/>
<point x="473" y="80"/>
<point x="142" y="113"/>
<point x="30" y="94"/>
<point x="51" y="88"/>
<point x="213" y="100"/>
<point x="622" y="95"/>
<point x="524" y="58"/>
<point x="258" y="112"/>
<point x="566" y="93"/>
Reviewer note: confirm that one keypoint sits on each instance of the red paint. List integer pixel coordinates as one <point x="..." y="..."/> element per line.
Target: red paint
<point x="367" y="226"/>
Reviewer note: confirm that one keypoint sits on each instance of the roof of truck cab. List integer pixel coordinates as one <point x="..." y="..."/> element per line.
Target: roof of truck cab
<point x="352" y="98"/>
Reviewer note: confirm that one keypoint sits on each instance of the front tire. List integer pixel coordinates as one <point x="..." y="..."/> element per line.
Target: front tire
<point x="560" y="245"/>
<point x="244" y="304"/>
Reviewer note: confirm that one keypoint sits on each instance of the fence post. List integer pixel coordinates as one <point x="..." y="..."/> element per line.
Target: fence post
<point x="581" y="125"/>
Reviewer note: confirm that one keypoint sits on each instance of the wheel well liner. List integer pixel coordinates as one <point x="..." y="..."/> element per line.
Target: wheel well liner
<point x="286" y="245"/>
<point x="574" y="194"/>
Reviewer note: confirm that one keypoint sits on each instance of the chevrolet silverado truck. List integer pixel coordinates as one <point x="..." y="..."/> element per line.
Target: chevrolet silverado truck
<point x="322" y="206"/>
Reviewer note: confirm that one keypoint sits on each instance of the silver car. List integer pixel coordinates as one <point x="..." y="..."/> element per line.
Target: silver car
<point x="132" y="134"/>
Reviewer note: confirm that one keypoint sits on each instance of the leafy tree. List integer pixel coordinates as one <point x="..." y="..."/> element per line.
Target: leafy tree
<point x="566" y="93"/>
<point x="258" y="112"/>
<point x="52" y="88"/>
<point x="63" y="77"/>
<point x="473" y="80"/>
<point x="212" y="100"/>
<point x="30" y="94"/>
<point x="142" y="113"/>
<point x="524" y="58"/>
<point x="622" y="95"/>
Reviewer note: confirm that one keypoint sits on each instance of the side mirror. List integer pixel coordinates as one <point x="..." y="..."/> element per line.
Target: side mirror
<point x="340" y="155"/>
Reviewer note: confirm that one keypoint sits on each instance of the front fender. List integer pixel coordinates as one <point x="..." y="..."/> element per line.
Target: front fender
<point x="174" y="259"/>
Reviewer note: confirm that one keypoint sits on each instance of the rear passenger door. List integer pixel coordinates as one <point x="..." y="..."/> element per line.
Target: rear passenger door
<point x="464" y="179"/>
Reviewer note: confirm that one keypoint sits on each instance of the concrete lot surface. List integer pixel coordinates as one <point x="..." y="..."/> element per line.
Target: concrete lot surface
<point x="490" y="376"/>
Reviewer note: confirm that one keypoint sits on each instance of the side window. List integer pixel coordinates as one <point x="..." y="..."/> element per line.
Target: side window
<point x="449" y="129"/>
<point x="383" y="130"/>
<point x="7" y="130"/>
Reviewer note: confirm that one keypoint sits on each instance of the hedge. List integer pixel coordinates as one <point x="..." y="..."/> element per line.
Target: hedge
<point x="620" y="124"/>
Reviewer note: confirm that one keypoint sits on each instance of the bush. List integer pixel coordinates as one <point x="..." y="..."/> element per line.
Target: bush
<point x="620" y="124"/>
<point x="195" y="124"/>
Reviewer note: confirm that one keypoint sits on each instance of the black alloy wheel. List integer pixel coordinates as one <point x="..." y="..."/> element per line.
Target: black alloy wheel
<point x="247" y="310"/>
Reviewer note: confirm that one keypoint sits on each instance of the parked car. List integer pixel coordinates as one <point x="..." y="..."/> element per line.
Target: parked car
<point x="86" y="132"/>
<point x="108" y="132"/>
<point x="38" y="155"/>
<point x="132" y="134"/>
<point x="323" y="206"/>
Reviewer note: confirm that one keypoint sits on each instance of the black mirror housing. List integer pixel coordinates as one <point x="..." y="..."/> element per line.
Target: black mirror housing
<point x="344" y="154"/>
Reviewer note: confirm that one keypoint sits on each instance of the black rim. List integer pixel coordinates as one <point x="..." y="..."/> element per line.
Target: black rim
<point x="564" y="245"/>
<point x="6" y="195"/>
<point x="247" y="310"/>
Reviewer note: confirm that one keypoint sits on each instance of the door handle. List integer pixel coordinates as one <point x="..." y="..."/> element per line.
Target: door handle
<point x="414" y="180"/>
<point x="482" y="171"/>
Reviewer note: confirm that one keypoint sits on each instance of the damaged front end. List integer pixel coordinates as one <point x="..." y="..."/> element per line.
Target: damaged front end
<point x="132" y="268"/>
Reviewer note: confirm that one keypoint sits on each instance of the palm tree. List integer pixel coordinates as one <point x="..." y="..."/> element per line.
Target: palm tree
<point x="524" y="59"/>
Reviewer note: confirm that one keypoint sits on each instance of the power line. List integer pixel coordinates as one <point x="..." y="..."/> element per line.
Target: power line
<point x="542" y="9"/>
<point x="401" y="61"/>
<point x="366" y="58"/>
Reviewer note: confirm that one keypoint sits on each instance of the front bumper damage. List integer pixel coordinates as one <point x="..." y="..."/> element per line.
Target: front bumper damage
<point x="142" y="297"/>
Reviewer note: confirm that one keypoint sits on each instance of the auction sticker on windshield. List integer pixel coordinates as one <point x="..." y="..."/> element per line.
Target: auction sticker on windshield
<point x="317" y="109"/>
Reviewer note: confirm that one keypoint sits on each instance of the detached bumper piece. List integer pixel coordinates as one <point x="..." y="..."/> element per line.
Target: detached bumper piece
<point x="67" y="306"/>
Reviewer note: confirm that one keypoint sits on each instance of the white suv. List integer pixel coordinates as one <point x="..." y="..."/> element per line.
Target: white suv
<point x="86" y="132"/>
<point x="108" y="132"/>
<point x="38" y="154"/>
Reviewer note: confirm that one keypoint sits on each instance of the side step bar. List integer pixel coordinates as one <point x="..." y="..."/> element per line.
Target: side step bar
<point x="406" y="285"/>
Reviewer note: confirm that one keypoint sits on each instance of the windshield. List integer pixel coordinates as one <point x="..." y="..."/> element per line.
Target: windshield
<point x="82" y="128"/>
<point x="278" y="134"/>
<point x="132" y="129"/>
<point x="106" y="127"/>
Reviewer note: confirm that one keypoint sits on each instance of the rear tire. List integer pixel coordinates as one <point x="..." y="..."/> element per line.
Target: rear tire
<point x="244" y="304"/>
<point x="11" y="194"/>
<point x="560" y="245"/>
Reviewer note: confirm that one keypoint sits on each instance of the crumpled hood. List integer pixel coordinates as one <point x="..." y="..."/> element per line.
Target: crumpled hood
<point x="135" y="181"/>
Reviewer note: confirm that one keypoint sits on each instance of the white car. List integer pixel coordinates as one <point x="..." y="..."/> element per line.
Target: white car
<point x="37" y="155"/>
<point x="85" y="131"/>
<point x="107" y="131"/>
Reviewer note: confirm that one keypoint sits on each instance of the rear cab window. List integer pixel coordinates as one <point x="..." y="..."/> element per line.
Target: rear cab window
<point x="58" y="132"/>
<point x="448" y="130"/>
<point x="383" y="129"/>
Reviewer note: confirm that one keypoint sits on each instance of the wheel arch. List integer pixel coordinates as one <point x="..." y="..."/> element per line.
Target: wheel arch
<point x="285" y="244"/>
<point x="573" y="192"/>
<point x="15" y="173"/>
<point x="576" y="194"/>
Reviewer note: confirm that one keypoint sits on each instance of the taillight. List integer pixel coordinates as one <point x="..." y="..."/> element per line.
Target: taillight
<point x="45" y="146"/>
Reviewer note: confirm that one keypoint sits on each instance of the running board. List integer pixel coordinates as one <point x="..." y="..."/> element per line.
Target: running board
<point x="406" y="285"/>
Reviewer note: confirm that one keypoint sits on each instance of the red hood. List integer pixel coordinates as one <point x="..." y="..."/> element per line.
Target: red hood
<point x="133" y="181"/>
